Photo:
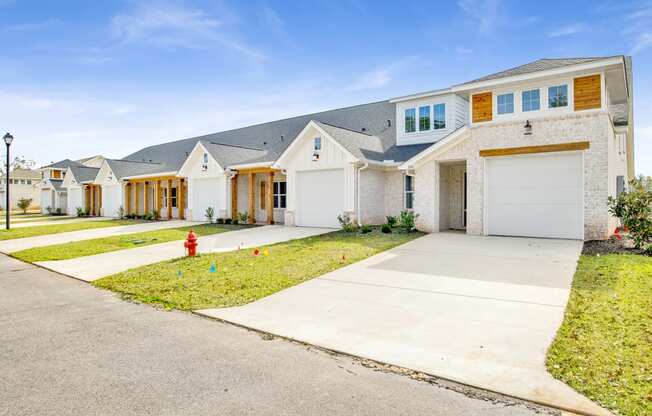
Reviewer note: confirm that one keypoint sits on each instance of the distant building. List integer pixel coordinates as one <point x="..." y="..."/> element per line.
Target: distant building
<point x="22" y="184"/>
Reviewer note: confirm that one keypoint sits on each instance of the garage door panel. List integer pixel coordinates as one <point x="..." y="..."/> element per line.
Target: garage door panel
<point x="205" y="194"/>
<point x="319" y="198"/>
<point x="536" y="196"/>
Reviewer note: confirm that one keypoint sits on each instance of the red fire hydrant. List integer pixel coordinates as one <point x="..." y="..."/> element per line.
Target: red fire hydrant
<point x="191" y="244"/>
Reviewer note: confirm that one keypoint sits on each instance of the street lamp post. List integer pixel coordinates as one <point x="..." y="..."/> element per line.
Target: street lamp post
<point x="8" y="139"/>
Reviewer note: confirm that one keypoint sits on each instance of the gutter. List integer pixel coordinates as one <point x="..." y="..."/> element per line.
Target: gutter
<point x="359" y="214"/>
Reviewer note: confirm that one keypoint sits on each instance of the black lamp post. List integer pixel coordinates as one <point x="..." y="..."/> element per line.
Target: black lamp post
<point x="8" y="139"/>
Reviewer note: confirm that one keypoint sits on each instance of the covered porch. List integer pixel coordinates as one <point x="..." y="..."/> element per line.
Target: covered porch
<point x="260" y="193"/>
<point x="92" y="199"/>
<point x="163" y="197"/>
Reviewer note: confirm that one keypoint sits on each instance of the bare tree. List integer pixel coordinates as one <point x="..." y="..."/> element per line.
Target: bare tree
<point x="20" y="162"/>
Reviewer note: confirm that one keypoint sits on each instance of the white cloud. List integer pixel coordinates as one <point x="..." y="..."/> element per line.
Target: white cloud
<point x="484" y="12"/>
<point x="371" y="80"/>
<point x="568" y="30"/>
<point x="642" y="42"/>
<point x="173" y="26"/>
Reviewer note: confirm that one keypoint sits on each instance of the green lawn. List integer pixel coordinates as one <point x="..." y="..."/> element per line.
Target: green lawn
<point x="60" y="228"/>
<point x="604" y="346"/>
<point x="118" y="242"/>
<point x="241" y="277"/>
<point x="35" y="218"/>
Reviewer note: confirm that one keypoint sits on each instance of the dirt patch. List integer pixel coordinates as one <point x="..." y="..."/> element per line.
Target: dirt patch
<point x="610" y="246"/>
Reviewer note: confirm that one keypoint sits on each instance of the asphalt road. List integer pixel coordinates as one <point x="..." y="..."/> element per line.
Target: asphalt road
<point x="67" y="348"/>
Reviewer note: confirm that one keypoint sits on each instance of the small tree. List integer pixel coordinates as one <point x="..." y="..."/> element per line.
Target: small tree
<point x="407" y="221"/>
<point x="121" y="212"/>
<point x="634" y="209"/>
<point x="243" y="217"/>
<point x="24" y="203"/>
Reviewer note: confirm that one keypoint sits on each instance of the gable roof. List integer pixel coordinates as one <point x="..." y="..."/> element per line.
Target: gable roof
<point x="229" y="154"/>
<point x="86" y="159"/>
<point x="84" y="173"/>
<point x="56" y="184"/>
<point x="361" y="145"/>
<point x="536" y="66"/>
<point x="21" y="173"/>
<point x="62" y="164"/>
<point x="125" y="168"/>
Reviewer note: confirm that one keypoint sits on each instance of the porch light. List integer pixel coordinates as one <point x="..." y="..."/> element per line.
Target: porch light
<point x="315" y="157"/>
<point x="527" y="129"/>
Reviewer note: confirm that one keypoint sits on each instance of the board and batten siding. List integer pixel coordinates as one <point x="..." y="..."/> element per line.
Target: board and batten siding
<point x="482" y="104"/>
<point x="457" y="114"/>
<point x="587" y="92"/>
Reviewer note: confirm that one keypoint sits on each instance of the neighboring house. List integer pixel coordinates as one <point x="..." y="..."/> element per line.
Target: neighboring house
<point x="82" y="193"/>
<point x="22" y="184"/>
<point x="532" y="151"/>
<point x="53" y="194"/>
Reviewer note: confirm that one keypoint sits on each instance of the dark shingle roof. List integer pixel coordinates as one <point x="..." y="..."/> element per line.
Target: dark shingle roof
<point x="84" y="173"/>
<point x="63" y="164"/>
<point x="361" y="145"/>
<point x="126" y="168"/>
<point x="56" y="184"/>
<point x="540" y="65"/>
<point x="229" y="154"/>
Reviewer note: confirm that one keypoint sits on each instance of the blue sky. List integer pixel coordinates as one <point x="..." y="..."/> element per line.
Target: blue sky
<point x="79" y="78"/>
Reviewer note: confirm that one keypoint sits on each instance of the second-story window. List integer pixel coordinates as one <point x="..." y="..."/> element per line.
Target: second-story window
<point x="317" y="144"/>
<point x="558" y="96"/>
<point x="530" y="100"/>
<point x="424" y="118"/>
<point x="410" y="120"/>
<point x="439" y="117"/>
<point x="505" y="103"/>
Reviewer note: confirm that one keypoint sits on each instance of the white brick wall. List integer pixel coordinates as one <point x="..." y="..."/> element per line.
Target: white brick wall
<point x="594" y="127"/>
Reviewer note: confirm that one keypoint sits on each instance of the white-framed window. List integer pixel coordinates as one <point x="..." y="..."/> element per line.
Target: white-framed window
<point x="173" y="195"/>
<point x="280" y="194"/>
<point x="204" y="165"/>
<point x="409" y="192"/>
<point x="439" y="118"/>
<point x="505" y="103"/>
<point x="410" y="120"/>
<point x="531" y="100"/>
<point x="29" y="181"/>
<point x="424" y="118"/>
<point x="558" y="96"/>
<point x="317" y="143"/>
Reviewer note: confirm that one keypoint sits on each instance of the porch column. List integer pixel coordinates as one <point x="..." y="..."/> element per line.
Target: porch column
<point x="92" y="199"/>
<point x="99" y="199"/>
<point x="252" y="198"/>
<point x="136" y="198"/>
<point x="234" y="197"/>
<point x="169" y="199"/>
<point x="128" y="196"/>
<point x="180" y="201"/>
<point x="158" y="198"/>
<point x="270" y="198"/>
<point x="145" y="198"/>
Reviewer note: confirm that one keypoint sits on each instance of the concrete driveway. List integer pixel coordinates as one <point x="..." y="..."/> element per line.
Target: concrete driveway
<point x="478" y="310"/>
<point x="100" y="265"/>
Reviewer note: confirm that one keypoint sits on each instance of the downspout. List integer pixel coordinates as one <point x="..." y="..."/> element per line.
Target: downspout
<point x="359" y="214"/>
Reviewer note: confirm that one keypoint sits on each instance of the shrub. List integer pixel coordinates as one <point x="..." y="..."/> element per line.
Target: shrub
<point x="24" y="203"/>
<point x="120" y="212"/>
<point x="365" y="229"/>
<point x="407" y="221"/>
<point x="391" y="221"/>
<point x="634" y="209"/>
<point x="210" y="213"/>
<point x="228" y="221"/>
<point x="386" y="228"/>
<point x="48" y="210"/>
<point x="87" y="213"/>
<point x="149" y="216"/>
<point x="220" y="221"/>
<point x="346" y="222"/>
<point x="243" y="217"/>
<point x="58" y="211"/>
<point x="80" y="212"/>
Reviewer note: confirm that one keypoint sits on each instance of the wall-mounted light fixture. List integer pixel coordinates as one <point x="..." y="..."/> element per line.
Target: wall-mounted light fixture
<point x="527" y="129"/>
<point x="315" y="157"/>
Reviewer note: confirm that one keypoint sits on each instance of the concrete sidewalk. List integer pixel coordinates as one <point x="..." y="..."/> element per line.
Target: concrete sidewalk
<point x="100" y="265"/>
<point x="18" y="244"/>
<point x="477" y="310"/>
<point x="57" y="221"/>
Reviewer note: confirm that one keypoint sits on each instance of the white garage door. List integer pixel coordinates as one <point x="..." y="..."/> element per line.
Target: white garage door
<point x="74" y="200"/>
<point x="111" y="200"/>
<point x="205" y="193"/>
<point x="46" y="200"/>
<point x="536" y="196"/>
<point x="319" y="198"/>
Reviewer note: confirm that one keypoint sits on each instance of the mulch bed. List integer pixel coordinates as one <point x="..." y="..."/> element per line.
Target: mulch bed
<point x="610" y="246"/>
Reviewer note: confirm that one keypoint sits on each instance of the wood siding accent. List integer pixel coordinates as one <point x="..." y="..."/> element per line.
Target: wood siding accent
<point x="587" y="92"/>
<point x="263" y="194"/>
<point x="482" y="107"/>
<point x="169" y="199"/>
<point x="270" y="198"/>
<point x="128" y="196"/>
<point x="234" y="197"/>
<point x="56" y="174"/>
<point x="561" y="147"/>
<point x="145" y="198"/>
<point x="181" y="201"/>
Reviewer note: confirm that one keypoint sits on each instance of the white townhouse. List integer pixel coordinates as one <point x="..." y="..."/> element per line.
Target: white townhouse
<point x="54" y="195"/>
<point x="534" y="151"/>
<point x="23" y="185"/>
